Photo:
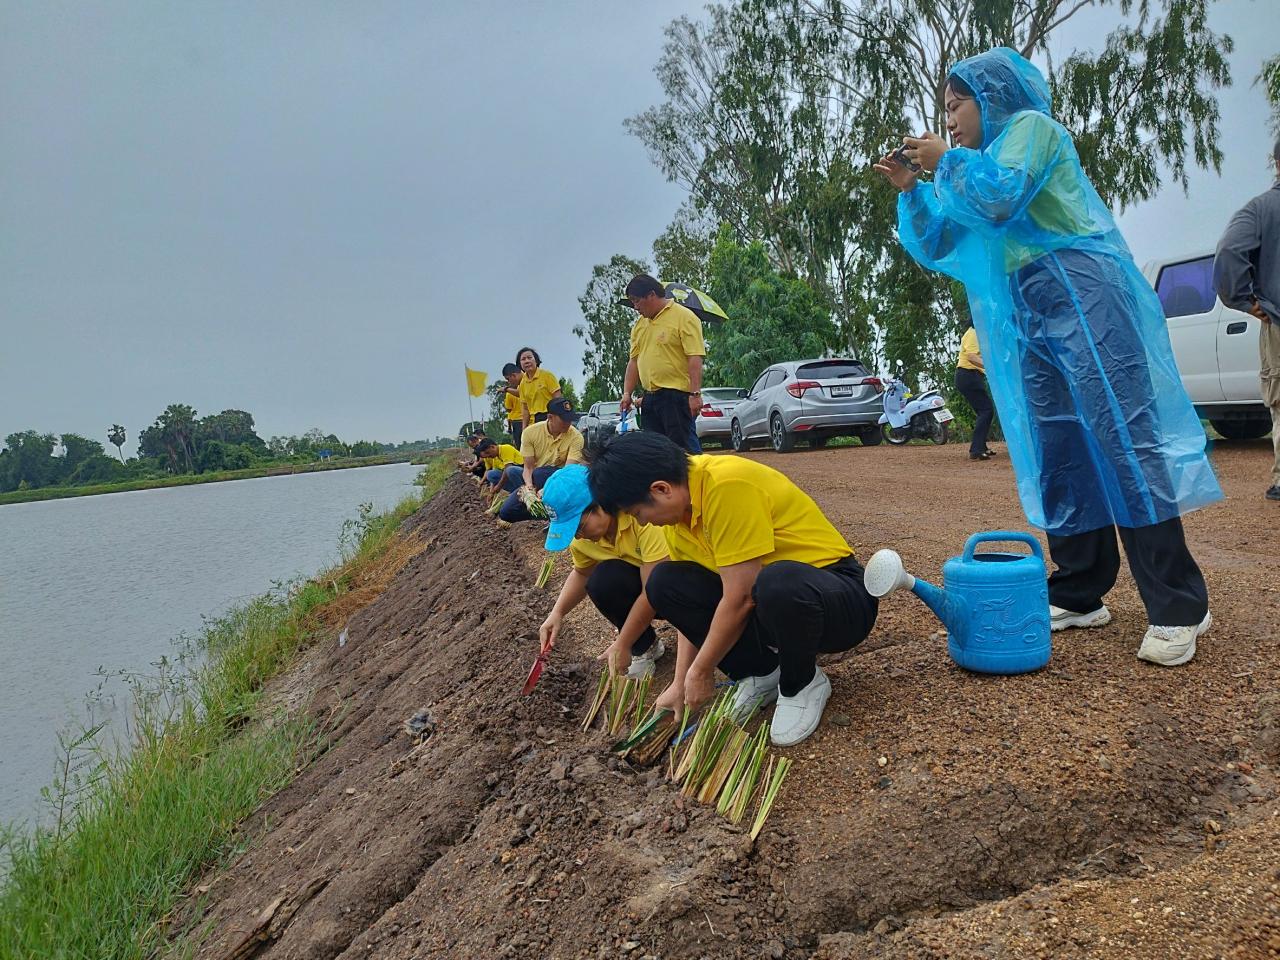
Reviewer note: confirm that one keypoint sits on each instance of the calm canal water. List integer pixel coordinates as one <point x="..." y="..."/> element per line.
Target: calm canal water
<point x="109" y="582"/>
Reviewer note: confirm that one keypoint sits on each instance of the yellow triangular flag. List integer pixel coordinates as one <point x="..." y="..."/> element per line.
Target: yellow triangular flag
<point x="477" y="381"/>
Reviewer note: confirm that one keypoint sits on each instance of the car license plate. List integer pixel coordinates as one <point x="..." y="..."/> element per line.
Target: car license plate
<point x="842" y="390"/>
<point x="943" y="415"/>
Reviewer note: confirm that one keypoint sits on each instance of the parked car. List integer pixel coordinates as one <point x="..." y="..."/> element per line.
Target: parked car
<point x="599" y="423"/>
<point x="810" y="399"/>
<point x="1216" y="348"/>
<point x="714" y="419"/>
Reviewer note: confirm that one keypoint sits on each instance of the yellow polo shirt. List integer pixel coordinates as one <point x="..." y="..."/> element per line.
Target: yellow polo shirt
<point x="512" y="402"/>
<point x="537" y="444"/>
<point x="507" y="455"/>
<point x="743" y="510"/>
<point x="661" y="347"/>
<point x="970" y="355"/>
<point x="637" y="543"/>
<point x="537" y="392"/>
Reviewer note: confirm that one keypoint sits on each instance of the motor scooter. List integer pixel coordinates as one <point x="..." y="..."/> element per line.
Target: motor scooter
<point x="909" y="416"/>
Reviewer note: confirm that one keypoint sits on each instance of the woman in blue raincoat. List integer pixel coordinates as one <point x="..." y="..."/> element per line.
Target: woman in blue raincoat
<point x="1101" y="433"/>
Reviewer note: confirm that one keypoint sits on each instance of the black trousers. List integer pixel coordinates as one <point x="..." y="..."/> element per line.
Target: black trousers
<point x="479" y="469"/>
<point x="667" y="412"/>
<point x="1169" y="581"/>
<point x="614" y="586"/>
<point x="516" y="427"/>
<point x="973" y="387"/>
<point x="800" y="611"/>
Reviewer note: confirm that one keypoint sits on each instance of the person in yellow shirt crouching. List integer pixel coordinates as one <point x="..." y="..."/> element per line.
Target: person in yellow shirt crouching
<point x="496" y="457"/>
<point x="759" y="581"/>
<point x="613" y="557"/>
<point x="546" y="446"/>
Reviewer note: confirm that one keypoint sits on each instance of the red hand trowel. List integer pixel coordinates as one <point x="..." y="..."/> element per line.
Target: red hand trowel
<point x="536" y="671"/>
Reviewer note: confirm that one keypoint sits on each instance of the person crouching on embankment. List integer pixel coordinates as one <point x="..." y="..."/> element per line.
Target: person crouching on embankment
<point x="496" y="457"/>
<point x="1100" y="430"/>
<point x="546" y="446"/>
<point x="613" y="557"/>
<point x="971" y="381"/>
<point x="512" y="403"/>
<point x="759" y="581"/>
<point x="476" y="469"/>
<point x="537" y="387"/>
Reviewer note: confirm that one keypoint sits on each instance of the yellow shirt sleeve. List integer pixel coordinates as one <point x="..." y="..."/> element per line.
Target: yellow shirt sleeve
<point x="652" y="543"/>
<point x="575" y="446"/>
<point x="529" y="444"/>
<point x="738" y="517"/>
<point x="512" y="403"/>
<point x="970" y="358"/>
<point x="691" y="341"/>
<point x="635" y="341"/>
<point x="581" y="561"/>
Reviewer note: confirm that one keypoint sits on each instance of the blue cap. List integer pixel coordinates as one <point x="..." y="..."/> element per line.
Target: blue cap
<point x="567" y="496"/>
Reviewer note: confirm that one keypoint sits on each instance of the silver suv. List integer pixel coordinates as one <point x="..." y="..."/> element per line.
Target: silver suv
<point x="809" y="399"/>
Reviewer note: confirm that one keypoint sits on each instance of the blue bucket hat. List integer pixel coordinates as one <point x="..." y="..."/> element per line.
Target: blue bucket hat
<point x="567" y="496"/>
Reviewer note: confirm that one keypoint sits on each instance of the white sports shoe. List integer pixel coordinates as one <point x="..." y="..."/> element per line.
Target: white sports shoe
<point x="794" y="718"/>
<point x="751" y="691"/>
<point x="643" y="664"/>
<point x="1172" y="646"/>
<point x="1060" y="619"/>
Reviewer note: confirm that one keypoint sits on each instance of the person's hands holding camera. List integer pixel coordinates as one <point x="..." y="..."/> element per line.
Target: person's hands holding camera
<point x="926" y="150"/>
<point x="897" y="172"/>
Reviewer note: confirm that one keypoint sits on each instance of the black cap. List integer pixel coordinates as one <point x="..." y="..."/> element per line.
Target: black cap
<point x="562" y="408"/>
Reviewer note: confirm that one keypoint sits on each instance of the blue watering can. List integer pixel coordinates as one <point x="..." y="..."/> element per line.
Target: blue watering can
<point x="995" y="605"/>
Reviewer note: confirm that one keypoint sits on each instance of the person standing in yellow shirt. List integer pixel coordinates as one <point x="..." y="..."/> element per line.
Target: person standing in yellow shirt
<point x="666" y="359"/>
<point x="971" y="381"/>
<point x="512" y="403"/>
<point x="613" y="557"/>
<point x="537" y="388"/>
<point x="759" y="581"/>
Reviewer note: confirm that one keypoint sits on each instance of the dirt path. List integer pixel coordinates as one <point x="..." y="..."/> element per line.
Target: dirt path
<point x="1100" y="808"/>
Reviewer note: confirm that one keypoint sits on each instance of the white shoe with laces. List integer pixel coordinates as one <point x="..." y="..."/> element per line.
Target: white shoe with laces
<point x="750" y="691"/>
<point x="794" y="718"/>
<point x="643" y="664"/>
<point x="1172" y="646"/>
<point x="1060" y="619"/>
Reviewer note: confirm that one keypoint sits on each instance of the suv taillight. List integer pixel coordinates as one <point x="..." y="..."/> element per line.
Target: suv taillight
<point x="874" y="382"/>
<point x="798" y="388"/>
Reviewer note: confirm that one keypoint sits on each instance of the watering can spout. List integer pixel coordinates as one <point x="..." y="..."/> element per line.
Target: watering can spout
<point x="885" y="573"/>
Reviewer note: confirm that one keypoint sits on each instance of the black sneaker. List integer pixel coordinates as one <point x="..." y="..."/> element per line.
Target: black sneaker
<point x="1273" y="493"/>
<point x="986" y="455"/>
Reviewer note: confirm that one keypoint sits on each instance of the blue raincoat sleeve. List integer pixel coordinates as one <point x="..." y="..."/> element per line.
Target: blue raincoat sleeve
<point x="1099" y="427"/>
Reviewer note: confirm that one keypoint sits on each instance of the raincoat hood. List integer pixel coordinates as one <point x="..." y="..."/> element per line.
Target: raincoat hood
<point x="1004" y="83"/>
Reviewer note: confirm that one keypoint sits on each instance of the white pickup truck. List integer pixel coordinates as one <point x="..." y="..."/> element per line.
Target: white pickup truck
<point x="1216" y="347"/>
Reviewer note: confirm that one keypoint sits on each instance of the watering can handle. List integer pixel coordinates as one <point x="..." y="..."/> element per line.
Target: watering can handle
<point x="1002" y="536"/>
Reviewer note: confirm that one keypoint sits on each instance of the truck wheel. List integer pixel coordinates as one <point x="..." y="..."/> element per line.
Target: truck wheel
<point x="1245" y="428"/>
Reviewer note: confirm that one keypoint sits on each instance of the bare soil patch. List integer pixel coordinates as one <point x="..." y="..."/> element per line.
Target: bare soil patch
<point x="1102" y="807"/>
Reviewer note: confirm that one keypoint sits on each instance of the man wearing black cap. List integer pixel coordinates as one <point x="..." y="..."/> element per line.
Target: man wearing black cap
<point x="546" y="447"/>
<point x="666" y="358"/>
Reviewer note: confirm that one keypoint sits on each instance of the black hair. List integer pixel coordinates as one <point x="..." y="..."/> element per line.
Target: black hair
<point x="622" y="471"/>
<point x="536" y="359"/>
<point x="510" y="368"/>
<point x="642" y="285"/>
<point x="957" y="85"/>
<point x="485" y="443"/>
<point x="475" y="435"/>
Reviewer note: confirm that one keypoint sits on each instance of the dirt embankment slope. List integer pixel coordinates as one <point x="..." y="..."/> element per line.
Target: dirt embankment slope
<point x="936" y="813"/>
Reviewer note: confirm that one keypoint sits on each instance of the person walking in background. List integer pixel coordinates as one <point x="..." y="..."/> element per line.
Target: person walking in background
<point x="538" y="387"/>
<point x="1098" y="425"/>
<point x="512" y="403"/>
<point x="612" y="559"/>
<point x="1246" y="272"/>
<point x="666" y="359"/>
<point x="546" y="446"/>
<point x="971" y="381"/>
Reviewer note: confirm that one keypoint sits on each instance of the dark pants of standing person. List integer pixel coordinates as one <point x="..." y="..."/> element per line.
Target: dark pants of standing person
<point x="614" y="586"/>
<point x="800" y="611"/>
<point x="667" y="412"/>
<point x="513" y="509"/>
<point x="1169" y="581"/>
<point x="515" y="427"/>
<point x="972" y="385"/>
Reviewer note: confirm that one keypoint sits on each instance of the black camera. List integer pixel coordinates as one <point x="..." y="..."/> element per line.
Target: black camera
<point x="901" y="156"/>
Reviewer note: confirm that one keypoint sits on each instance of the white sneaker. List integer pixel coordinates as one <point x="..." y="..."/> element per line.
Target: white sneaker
<point x="1172" y="646"/>
<point x="753" y="691"/>
<point x="796" y="717"/>
<point x="643" y="664"/>
<point x="1060" y="619"/>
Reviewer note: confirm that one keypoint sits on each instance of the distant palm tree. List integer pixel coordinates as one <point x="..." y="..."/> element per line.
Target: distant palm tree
<point x="117" y="437"/>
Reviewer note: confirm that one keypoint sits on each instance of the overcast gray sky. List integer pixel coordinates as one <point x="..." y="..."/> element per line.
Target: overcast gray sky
<point x="318" y="212"/>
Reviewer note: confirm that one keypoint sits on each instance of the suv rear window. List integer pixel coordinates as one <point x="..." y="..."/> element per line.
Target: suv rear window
<point x="1186" y="288"/>
<point x="832" y="370"/>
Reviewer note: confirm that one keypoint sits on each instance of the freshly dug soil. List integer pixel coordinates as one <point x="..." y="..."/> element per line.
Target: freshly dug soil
<point x="1102" y="807"/>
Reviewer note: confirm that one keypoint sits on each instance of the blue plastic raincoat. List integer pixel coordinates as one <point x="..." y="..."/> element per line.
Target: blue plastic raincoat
<point x="1099" y="427"/>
